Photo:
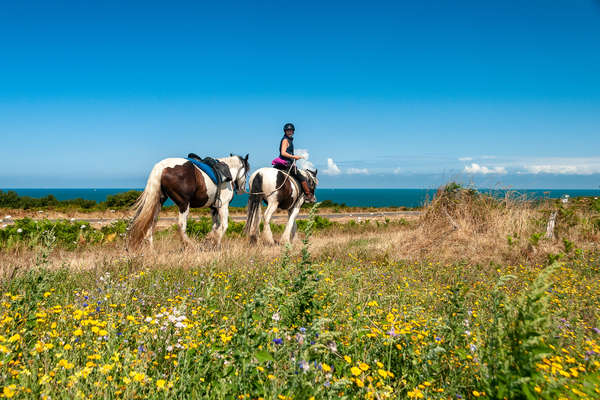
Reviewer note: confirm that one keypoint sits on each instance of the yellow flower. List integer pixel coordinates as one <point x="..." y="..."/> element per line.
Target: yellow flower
<point x="9" y="391"/>
<point x="348" y="359"/>
<point x="105" y="369"/>
<point x="78" y="332"/>
<point x="363" y="366"/>
<point x="68" y="347"/>
<point x="359" y="383"/>
<point x="476" y="393"/>
<point x="415" y="394"/>
<point x="14" y="338"/>
<point x="138" y="377"/>
<point x="161" y="383"/>
<point x="355" y="371"/>
<point x="326" y="367"/>
<point x="382" y="373"/>
<point x="537" y="389"/>
<point x="271" y="377"/>
<point x="65" y="364"/>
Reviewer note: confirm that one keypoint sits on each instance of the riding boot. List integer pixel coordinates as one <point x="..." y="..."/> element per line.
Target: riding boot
<point x="308" y="196"/>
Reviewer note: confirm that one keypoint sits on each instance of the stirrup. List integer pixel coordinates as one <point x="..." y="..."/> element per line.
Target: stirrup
<point x="309" y="198"/>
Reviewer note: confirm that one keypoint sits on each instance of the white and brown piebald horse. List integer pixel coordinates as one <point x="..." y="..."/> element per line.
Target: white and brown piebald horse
<point x="189" y="187"/>
<point x="281" y="192"/>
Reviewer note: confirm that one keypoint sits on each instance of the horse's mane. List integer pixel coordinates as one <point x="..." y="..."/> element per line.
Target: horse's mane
<point x="309" y="174"/>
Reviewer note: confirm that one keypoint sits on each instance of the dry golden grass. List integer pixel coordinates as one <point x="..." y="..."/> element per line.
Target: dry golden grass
<point x="457" y="226"/>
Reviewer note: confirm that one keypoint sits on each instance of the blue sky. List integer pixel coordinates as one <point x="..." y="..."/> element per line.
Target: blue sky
<point x="383" y="94"/>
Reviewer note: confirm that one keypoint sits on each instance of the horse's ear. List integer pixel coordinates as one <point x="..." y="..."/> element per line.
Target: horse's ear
<point x="230" y="154"/>
<point x="316" y="170"/>
<point x="246" y="158"/>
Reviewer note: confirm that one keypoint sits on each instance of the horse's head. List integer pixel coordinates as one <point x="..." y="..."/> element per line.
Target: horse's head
<point x="239" y="181"/>
<point x="312" y="180"/>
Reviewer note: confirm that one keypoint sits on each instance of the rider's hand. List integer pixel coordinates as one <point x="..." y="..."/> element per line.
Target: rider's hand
<point x="300" y="157"/>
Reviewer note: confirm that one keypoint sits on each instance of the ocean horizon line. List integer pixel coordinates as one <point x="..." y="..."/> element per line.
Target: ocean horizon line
<point x="319" y="188"/>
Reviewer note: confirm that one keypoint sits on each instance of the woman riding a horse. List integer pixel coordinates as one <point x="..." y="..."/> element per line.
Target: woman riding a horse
<point x="286" y="153"/>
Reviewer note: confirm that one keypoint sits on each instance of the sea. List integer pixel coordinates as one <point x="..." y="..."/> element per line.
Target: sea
<point x="351" y="197"/>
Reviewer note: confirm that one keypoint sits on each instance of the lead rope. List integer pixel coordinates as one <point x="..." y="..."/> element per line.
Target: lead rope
<point x="280" y="186"/>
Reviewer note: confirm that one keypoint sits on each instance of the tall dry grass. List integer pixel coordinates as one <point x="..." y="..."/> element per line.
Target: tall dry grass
<point x="458" y="225"/>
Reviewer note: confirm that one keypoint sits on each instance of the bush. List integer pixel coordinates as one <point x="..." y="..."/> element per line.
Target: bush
<point x="122" y="200"/>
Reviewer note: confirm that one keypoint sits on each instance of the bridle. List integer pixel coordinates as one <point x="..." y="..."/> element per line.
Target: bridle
<point x="246" y="169"/>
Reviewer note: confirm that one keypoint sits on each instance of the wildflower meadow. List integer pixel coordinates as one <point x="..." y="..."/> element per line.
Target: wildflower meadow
<point x="303" y="326"/>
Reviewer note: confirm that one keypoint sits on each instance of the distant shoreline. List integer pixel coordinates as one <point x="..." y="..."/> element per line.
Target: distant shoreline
<point x="351" y="197"/>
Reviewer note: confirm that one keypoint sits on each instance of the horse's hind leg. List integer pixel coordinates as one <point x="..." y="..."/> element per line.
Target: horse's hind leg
<point x="267" y="234"/>
<point x="182" y="223"/>
<point x="214" y="213"/>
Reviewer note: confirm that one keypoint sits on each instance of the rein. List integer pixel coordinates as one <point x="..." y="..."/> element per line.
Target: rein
<point x="287" y="176"/>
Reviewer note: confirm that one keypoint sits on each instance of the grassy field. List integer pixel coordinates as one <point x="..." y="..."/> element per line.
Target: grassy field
<point x="469" y="300"/>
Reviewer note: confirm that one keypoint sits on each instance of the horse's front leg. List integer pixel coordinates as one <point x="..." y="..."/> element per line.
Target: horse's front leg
<point x="290" y="227"/>
<point x="223" y="222"/>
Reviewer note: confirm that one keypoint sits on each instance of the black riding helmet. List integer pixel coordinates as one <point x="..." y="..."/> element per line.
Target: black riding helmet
<point x="289" y="127"/>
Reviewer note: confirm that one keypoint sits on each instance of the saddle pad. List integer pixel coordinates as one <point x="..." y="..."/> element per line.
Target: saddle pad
<point x="207" y="169"/>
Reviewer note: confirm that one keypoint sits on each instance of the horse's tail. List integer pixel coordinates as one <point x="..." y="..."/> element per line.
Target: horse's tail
<point x="253" y="219"/>
<point x="146" y="208"/>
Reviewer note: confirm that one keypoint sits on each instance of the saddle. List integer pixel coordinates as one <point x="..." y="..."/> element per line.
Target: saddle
<point x="216" y="170"/>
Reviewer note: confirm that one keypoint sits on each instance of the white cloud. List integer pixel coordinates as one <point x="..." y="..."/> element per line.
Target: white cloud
<point x="304" y="163"/>
<point x="475" y="168"/>
<point x="357" y="171"/>
<point x="397" y="170"/>
<point x="563" y="169"/>
<point x="465" y="159"/>
<point x="332" y="169"/>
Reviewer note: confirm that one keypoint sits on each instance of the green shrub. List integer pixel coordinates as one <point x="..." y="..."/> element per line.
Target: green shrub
<point x="518" y="337"/>
<point x="122" y="200"/>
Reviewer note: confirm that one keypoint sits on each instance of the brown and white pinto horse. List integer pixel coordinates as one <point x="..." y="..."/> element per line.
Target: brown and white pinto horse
<point x="280" y="191"/>
<point x="188" y="186"/>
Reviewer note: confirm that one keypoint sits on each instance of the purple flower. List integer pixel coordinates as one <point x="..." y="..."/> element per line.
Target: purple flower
<point x="303" y="365"/>
<point x="141" y="349"/>
<point x="302" y="329"/>
<point x="392" y="333"/>
<point x="85" y="304"/>
<point x="278" y="341"/>
<point x="86" y="297"/>
<point x="97" y="309"/>
<point x="596" y="330"/>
